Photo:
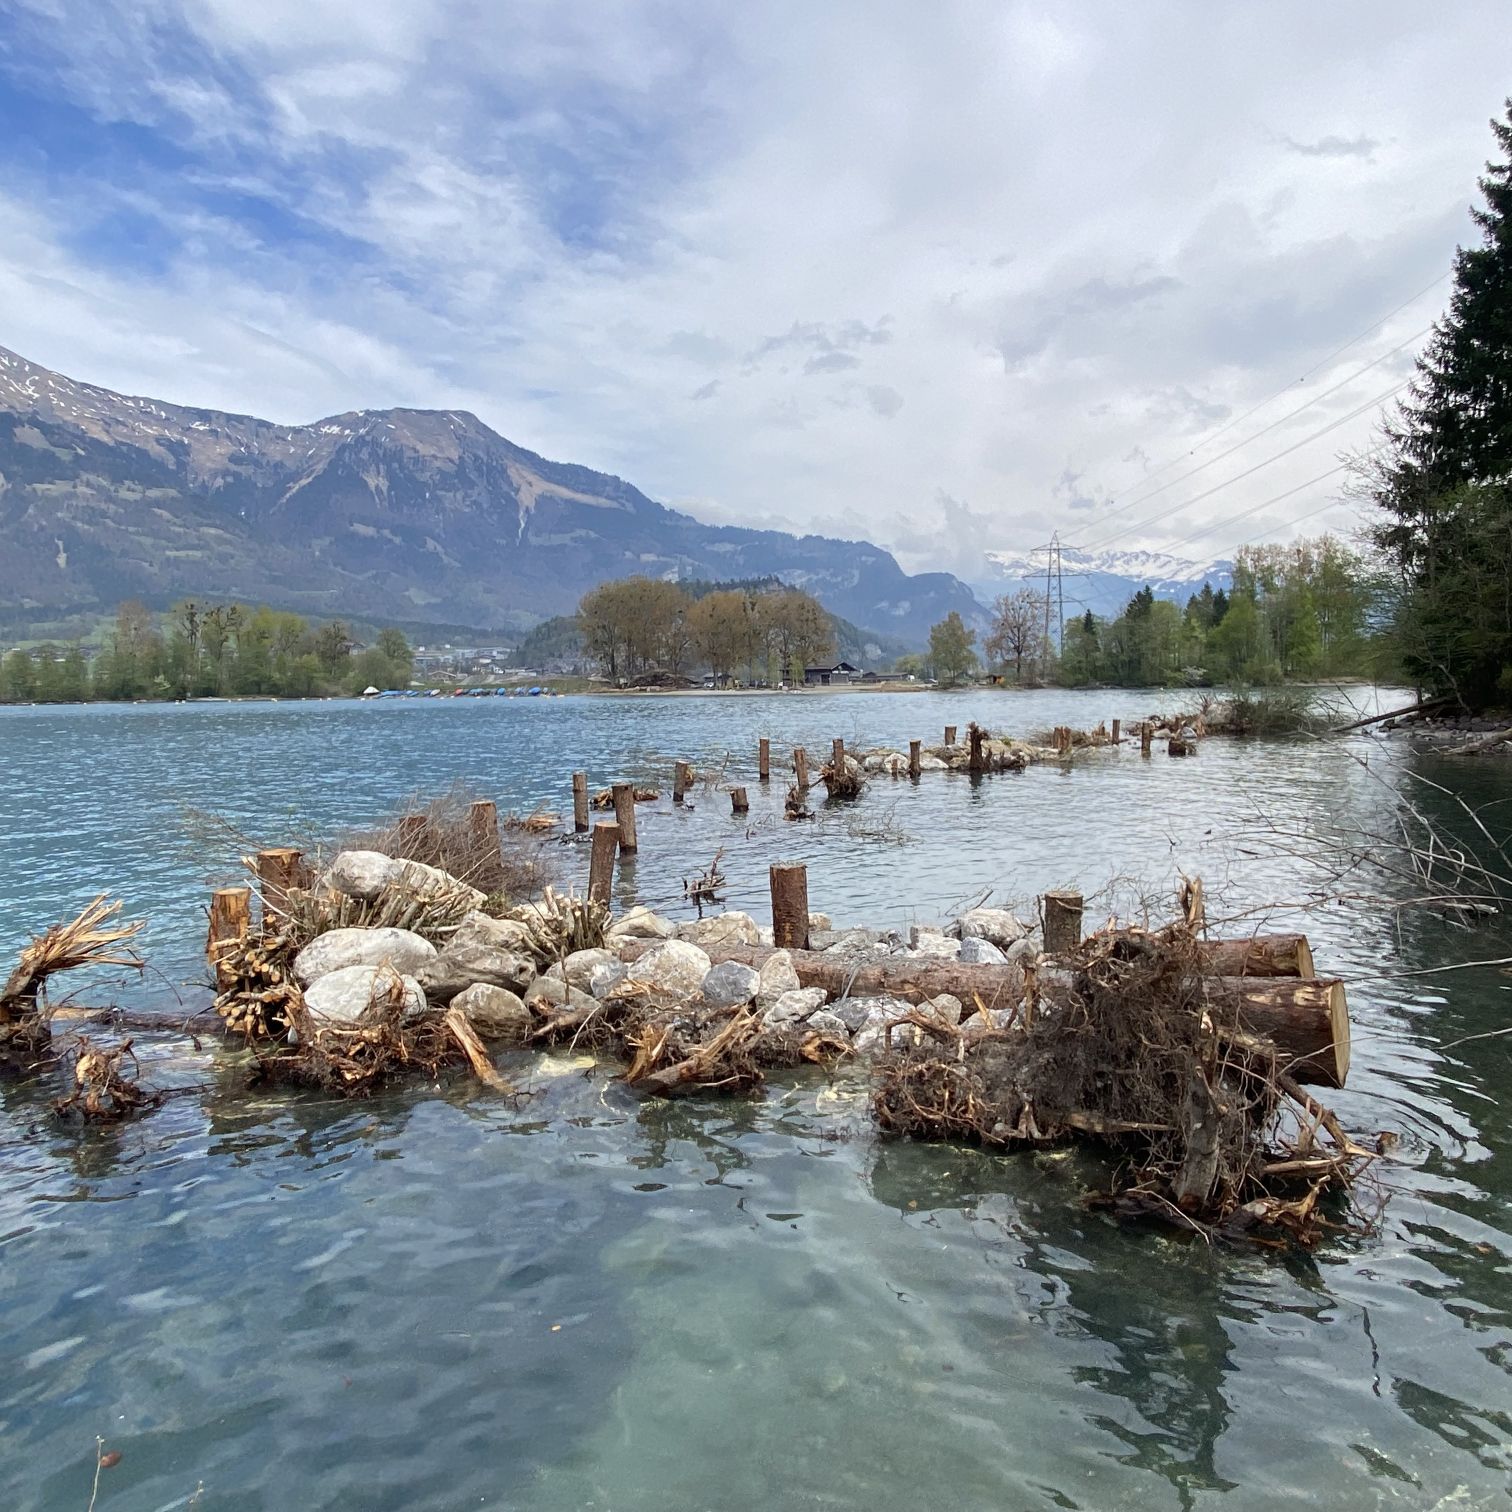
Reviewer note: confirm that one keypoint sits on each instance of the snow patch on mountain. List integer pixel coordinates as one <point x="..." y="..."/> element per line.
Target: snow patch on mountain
<point x="1105" y="581"/>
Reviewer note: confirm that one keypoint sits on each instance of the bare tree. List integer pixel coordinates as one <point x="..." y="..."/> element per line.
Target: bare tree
<point x="1018" y="627"/>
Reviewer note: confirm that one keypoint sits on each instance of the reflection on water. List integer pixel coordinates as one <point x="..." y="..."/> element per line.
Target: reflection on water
<point x="440" y="1300"/>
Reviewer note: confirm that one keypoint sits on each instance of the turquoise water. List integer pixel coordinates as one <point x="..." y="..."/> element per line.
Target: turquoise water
<point x="440" y="1299"/>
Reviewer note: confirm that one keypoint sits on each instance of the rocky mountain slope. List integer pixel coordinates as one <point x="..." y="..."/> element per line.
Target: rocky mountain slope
<point x="414" y="516"/>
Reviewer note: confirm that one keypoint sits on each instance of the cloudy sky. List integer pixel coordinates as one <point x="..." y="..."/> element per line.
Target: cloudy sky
<point x="947" y="276"/>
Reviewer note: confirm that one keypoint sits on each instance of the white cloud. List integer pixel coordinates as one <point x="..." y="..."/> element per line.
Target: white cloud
<point x="887" y="270"/>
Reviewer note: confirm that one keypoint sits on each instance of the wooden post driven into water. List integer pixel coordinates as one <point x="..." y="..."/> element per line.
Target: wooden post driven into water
<point x="1146" y="736"/>
<point x="914" y="758"/>
<point x="230" y="921"/>
<point x="624" y="816"/>
<point x="682" y="780"/>
<point x="950" y="734"/>
<point x="738" y="801"/>
<point x="580" y="802"/>
<point x="1063" y="922"/>
<point x="790" y="908"/>
<point x="277" y="871"/>
<point x="764" y="760"/>
<point x="800" y="768"/>
<point x="1117" y="730"/>
<point x="606" y="838"/>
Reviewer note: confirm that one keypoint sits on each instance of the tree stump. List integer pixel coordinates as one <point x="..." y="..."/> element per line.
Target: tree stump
<point x="1116" y="736"/>
<point x="682" y="780"/>
<point x="800" y="768"/>
<point x="738" y="802"/>
<point x="230" y="921"/>
<point x="950" y="735"/>
<point x="1063" y="922"/>
<point x="915" y="748"/>
<point x="278" y="871"/>
<point x="764" y="760"/>
<point x="580" y="802"/>
<point x="1146" y="737"/>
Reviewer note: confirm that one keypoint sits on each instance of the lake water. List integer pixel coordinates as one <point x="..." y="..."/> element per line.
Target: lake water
<point x="441" y="1299"/>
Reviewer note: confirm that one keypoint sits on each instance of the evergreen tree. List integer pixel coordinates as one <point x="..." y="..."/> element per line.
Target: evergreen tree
<point x="1444" y="486"/>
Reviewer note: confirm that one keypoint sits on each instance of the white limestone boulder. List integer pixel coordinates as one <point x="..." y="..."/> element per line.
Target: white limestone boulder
<point x="337" y="949"/>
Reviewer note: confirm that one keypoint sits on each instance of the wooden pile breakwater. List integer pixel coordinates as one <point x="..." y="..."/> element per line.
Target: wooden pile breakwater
<point x="1188" y="1056"/>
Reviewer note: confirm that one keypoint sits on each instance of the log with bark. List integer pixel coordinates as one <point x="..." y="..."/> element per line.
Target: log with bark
<point x="1275" y="955"/>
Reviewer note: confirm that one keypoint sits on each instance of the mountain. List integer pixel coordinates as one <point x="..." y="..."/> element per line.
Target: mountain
<point x="404" y="515"/>
<point x="1104" y="582"/>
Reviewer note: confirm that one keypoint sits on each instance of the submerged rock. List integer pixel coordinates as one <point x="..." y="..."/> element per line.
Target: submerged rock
<point x="404" y="950"/>
<point x="673" y="967"/>
<point x="732" y="928"/>
<point x="495" y="1012"/>
<point x="731" y="984"/>
<point x="342" y="996"/>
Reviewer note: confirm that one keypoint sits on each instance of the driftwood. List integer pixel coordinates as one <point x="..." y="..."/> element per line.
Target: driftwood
<point x="1484" y="744"/>
<point x="1420" y="707"/>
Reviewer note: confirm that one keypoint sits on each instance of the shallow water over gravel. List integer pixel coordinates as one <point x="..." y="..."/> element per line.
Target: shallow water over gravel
<point x="439" y="1300"/>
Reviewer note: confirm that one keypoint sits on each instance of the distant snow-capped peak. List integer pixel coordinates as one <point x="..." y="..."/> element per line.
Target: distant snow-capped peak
<point x="1146" y="566"/>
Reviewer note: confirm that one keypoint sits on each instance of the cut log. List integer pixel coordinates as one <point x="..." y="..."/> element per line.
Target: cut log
<point x="1308" y="1021"/>
<point x="1277" y="955"/>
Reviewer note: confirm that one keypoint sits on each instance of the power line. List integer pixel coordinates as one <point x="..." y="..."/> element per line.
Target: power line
<point x="1250" y="471"/>
<point x="1267" y="429"/>
<point x="1287" y="387"/>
